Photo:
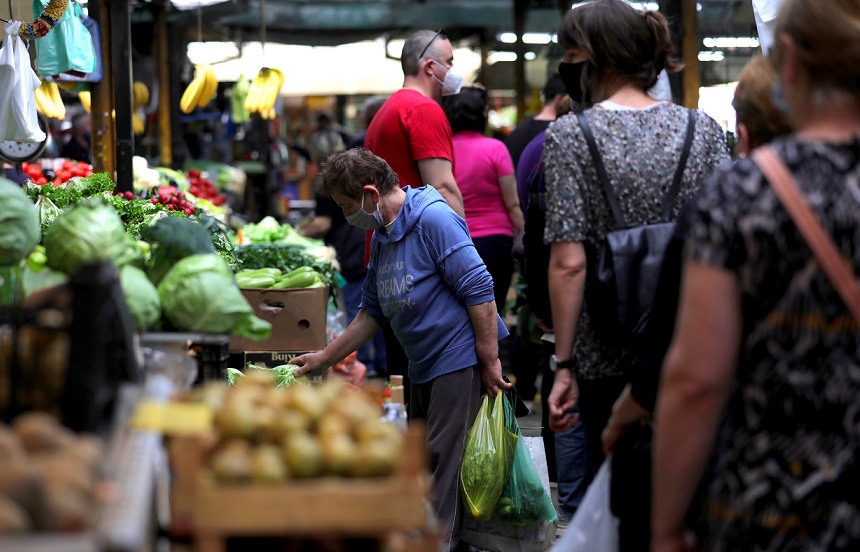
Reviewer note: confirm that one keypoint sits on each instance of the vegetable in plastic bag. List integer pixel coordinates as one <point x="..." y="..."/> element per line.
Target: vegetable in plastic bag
<point x="487" y="459"/>
<point x="198" y="294"/>
<point x="141" y="297"/>
<point x="19" y="224"/>
<point x="524" y="500"/>
<point x="283" y="376"/>
<point x="90" y="232"/>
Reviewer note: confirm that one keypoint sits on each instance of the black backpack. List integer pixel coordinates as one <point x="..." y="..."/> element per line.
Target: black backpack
<point x="622" y="275"/>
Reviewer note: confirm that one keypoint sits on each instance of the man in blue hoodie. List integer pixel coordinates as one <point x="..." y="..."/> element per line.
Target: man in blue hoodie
<point x="426" y="280"/>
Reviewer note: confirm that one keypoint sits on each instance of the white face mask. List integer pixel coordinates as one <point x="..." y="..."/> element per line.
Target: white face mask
<point x="364" y="220"/>
<point x="452" y="83"/>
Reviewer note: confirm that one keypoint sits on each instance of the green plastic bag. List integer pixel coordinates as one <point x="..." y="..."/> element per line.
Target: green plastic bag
<point x="523" y="500"/>
<point x="487" y="459"/>
<point x="69" y="45"/>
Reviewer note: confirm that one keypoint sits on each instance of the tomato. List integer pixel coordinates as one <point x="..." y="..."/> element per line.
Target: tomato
<point x="41" y="181"/>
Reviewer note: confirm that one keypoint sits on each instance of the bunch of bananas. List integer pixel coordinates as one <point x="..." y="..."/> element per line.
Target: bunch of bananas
<point x="140" y="97"/>
<point x="48" y="101"/>
<point x="264" y="92"/>
<point x="201" y="90"/>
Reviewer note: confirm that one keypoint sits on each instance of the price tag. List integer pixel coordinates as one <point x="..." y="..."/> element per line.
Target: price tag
<point x="173" y="418"/>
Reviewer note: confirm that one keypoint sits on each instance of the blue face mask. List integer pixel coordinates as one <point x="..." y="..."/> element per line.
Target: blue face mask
<point x="364" y="220"/>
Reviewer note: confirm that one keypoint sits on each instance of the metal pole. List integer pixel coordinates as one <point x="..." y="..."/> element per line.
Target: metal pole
<point x="520" y="63"/>
<point x="120" y="17"/>
<point x="165" y="145"/>
<point x="690" y="53"/>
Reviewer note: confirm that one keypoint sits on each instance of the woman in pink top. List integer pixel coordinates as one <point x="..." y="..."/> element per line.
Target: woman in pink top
<point x="485" y="175"/>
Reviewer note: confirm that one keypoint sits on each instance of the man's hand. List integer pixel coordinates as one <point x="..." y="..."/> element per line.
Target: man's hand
<point x="562" y="398"/>
<point x="610" y="436"/>
<point x="309" y="362"/>
<point x="492" y="376"/>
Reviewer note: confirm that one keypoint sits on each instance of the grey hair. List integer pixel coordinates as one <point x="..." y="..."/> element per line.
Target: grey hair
<point x="415" y="43"/>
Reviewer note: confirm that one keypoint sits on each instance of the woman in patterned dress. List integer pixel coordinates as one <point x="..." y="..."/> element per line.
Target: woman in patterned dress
<point x="766" y="358"/>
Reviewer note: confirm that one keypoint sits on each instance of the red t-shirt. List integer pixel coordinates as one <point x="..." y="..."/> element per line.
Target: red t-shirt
<point x="409" y="127"/>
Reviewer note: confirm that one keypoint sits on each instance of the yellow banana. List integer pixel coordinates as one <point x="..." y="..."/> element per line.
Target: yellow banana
<point x="57" y="101"/>
<point x="192" y="94"/>
<point x="211" y="87"/>
<point x="86" y="100"/>
<point x="252" y="101"/>
<point x="278" y="77"/>
<point x="140" y="94"/>
<point x="272" y="89"/>
<point x="39" y="94"/>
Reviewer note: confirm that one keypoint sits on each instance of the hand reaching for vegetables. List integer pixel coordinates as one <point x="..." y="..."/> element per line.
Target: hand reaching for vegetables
<point x="309" y="362"/>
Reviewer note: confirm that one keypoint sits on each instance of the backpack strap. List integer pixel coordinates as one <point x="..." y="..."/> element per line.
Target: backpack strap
<point x="672" y="194"/>
<point x="601" y="170"/>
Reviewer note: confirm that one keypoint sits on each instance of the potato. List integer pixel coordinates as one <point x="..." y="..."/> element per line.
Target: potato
<point x="372" y="430"/>
<point x="305" y="399"/>
<point x="273" y="398"/>
<point x="41" y="432"/>
<point x="63" y="471"/>
<point x="13" y="519"/>
<point x="10" y="447"/>
<point x="376" y="458"/>
<point x="356" y="408"/>
<point x="332" y="424"/>
<point x="211" y="394"/>
<point x="262" y="378"/>
<point x="87" y="449"/>
<point x="66" y="510"/>
<point x="339" y="454"/>
<point x="236" y="419"/>
<point x="267" y="466"/>
<point x="23" y="484"/>
<point x="332" y="391"/>
<point x="303" y="455"/>
<point x="289" y="422"/>
<point x="265" y="420"/>
<point x="232" y="462"/>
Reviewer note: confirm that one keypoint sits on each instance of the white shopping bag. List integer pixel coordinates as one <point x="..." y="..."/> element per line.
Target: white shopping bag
<point x="22" y="121"/>
<point x="7" y="76"/>
<point x="593" y="527"/>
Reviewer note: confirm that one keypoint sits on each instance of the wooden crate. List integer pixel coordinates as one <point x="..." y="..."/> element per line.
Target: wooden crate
<point x="327" y="506"/>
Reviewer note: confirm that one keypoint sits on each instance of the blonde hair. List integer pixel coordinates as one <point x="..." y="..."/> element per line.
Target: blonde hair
<point x="827" y="38"/>
<point x="753" y="103"/>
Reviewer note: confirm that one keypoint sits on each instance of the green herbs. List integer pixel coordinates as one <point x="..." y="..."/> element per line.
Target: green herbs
<point x="284" y="257"/>
<point x="137" y="214"/>
<point x="283" y="376"/>
<point x="72" y="191"/>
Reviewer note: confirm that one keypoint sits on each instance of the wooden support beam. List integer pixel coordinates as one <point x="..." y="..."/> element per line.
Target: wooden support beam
<point x="162" y="44"/>
<point x="690" y="53"/>
<point x="103" y="142"/>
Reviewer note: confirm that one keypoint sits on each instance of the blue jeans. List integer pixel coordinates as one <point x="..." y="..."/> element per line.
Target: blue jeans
<point x="574" y="468"/>
<point x="372" y="353"/>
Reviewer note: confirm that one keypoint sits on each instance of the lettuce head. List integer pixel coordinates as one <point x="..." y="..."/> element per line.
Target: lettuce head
<point x="141" y="297"/>
<point x="19" y="224"/>
<point x="91" y="232"/>
<point x="199" y="294"/>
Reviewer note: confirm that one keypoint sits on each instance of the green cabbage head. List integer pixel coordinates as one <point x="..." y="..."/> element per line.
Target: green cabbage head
<point x="19" y="224"/>
<point x="141" y="297"/>
<point x="90" y="232"/>
<point x="199" y="294"/>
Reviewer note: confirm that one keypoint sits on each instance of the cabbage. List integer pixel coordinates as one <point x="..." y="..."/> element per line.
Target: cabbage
<point x="141" y="297"/>
<point x="199" y="295"/>
<point x="19" y="224"/>
<point x="90" y="232"/>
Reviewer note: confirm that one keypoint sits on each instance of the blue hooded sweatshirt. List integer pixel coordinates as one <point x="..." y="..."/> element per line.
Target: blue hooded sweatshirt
<point x="424" y="272"/>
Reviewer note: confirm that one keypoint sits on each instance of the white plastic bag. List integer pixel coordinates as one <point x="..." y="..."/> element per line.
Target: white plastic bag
<point x="19" y="113"/>
<point x="593" y="527"/>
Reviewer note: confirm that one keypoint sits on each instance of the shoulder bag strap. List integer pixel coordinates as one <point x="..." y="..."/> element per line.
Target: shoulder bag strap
<point x="672" y="194"/>
<point x="810" y="228"/>
<point x="601" y="170"/>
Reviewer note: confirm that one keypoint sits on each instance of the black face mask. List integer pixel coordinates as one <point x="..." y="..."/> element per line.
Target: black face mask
<point x="571" y="77"/>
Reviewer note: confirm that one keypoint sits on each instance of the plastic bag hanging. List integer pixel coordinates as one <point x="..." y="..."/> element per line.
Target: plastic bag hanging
<point x="68" y="47"/>
<point x="487" y="459"/>
<point x="18" y="118"/>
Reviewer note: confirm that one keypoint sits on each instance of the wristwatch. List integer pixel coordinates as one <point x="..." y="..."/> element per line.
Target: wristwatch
<point x="555" y="363"/>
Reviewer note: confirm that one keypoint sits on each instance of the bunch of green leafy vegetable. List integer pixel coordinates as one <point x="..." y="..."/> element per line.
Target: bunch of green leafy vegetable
<point x="284" y="375"/>
<point x="222" y="238"/>
<point x="72" y="191"/>
<point x="19" y="225"/>
<point x="137" y="214"/>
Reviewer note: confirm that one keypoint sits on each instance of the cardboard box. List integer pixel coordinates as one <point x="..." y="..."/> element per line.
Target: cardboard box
<point x="298" y="319"/>
<point x="269" y="359"/>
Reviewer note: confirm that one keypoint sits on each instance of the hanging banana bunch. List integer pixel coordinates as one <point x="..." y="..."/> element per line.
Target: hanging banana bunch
<point x="48" y="101"/>
<point x="140" y="97"/>
<point x="202" y="89"/>
<point x="264" y="92"/>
